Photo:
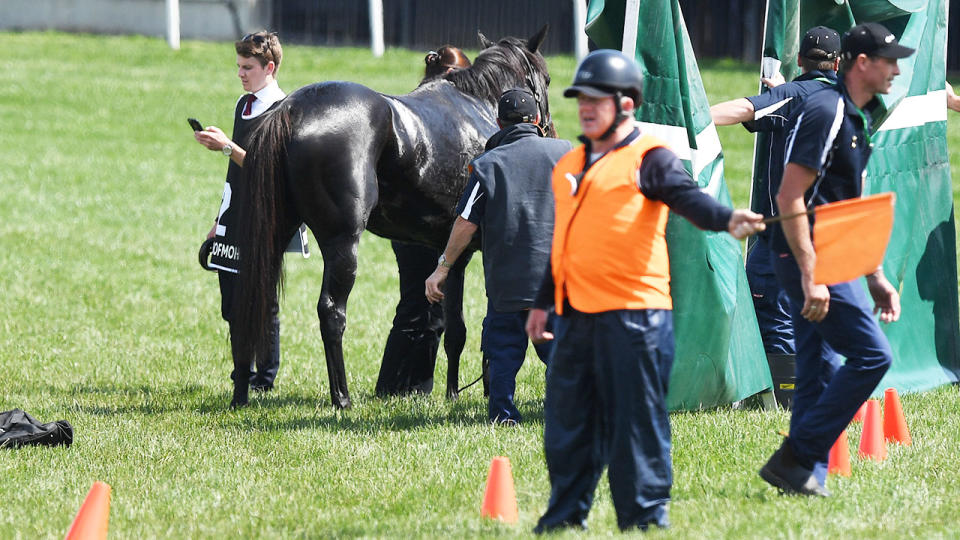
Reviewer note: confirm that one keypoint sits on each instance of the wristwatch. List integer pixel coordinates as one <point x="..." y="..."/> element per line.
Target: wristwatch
<point x="442" y="261"/>
<point x="227" y="150"/>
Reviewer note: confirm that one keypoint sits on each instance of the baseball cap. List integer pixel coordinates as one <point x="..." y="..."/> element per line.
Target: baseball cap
<point x="872" y="39"/>
<point x="516" y="106"/>
<point x="820" y="43"/>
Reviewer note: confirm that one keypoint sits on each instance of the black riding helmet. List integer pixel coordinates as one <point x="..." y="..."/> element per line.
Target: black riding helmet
<point x="608" y="73"/>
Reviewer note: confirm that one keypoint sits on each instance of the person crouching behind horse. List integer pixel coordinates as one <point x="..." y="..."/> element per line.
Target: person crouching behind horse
<point x="508" y="197"/>
<point x="410" y="355"/>
<point x="258" y="60"/>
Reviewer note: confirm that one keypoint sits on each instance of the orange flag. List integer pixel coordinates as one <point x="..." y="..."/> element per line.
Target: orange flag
<point x="851" y="236"/>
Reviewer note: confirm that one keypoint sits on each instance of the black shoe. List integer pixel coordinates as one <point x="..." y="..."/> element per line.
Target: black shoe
<point x="261" y="387"/>
<point x="558" y="527"/>
<point x="783" y="472"/>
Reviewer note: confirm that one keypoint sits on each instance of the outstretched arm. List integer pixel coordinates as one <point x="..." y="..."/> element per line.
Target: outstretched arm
<point x="460" y="237"/>
<point x="732" y="112"/>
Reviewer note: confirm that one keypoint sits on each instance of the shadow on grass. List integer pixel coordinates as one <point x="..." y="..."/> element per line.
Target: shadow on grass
<point x="285" y="410"/>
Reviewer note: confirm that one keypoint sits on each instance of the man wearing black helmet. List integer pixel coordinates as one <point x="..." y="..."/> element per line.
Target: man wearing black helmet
<point x="507" y="197"/>
<point x="826" y="160"/>
<point x="609" y="281"/>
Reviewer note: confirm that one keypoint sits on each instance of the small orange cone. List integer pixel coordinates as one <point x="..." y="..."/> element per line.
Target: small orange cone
<point x="839" y="462"/>
<point x="860" y="412"/>
<point x="894" y="424"/>
<point x="93" y="516"/>
<point x="500" y="500"/>
<point x="872" y="445"/>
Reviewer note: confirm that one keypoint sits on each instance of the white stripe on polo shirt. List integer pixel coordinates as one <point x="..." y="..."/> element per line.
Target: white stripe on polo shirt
<point x="474" y="197"/>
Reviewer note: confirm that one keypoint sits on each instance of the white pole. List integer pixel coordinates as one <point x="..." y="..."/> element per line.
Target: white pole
<point x="173" y="24"/>
<point x="580" y="47"/>
<point x="376" y="27"/>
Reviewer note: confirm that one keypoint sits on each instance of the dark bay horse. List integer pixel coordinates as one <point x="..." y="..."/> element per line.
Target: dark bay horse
<point x="342" y="158"/>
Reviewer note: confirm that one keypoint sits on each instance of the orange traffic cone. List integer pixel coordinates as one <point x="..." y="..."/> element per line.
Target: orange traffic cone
<point x="872" y="445"/>
<point x="500" y="500"/>
<point x="94" y="513"/>
<point x="860" y="412"/>
<point x="839" y="462"/>
<point x="894" y="424"/>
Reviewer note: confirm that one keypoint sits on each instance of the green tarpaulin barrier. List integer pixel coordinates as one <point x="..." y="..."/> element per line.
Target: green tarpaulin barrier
<point x="719" y="355"/>
<point x="909" y="158"/>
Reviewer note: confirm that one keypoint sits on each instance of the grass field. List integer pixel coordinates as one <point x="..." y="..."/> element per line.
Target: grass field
<point x="107" y="321"/>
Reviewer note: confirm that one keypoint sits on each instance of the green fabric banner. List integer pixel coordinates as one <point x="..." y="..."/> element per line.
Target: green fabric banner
<point x="910" y="158"/>
<point x="719" y="355"/>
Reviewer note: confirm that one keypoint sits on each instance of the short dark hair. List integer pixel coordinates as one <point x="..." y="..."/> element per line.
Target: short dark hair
<point x="262" y="45"/>
<point x="810" y="64"/>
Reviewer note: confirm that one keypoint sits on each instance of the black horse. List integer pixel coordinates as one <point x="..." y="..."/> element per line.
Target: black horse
<point x="342" y="158"/>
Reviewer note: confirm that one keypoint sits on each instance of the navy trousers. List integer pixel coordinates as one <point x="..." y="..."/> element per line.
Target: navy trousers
<point x="266" y="368"/>
<point x="606" y="405"/>
<point x="769" y="300"/>
<point x="828" y="403"/>
<point x="504" y="344"/>
<point x="410" y="355"/>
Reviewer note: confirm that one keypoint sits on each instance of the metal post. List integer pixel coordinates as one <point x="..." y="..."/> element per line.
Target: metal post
<point x="580" y="47"/>
<point x="173" y="24"/>
<point x="376" y="27"/>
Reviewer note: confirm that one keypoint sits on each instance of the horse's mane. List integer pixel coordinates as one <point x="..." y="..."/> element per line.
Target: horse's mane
<point x="496" y="68"/>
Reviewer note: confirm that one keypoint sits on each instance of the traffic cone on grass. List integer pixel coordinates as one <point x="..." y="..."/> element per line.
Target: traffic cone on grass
<point x="500" y="499"/>
<point x="894" y="424"/>
<point x="872" y="445"/>
<point x="860" y="413"/>
<point x="93" y="516"/>
<point x="839" y="462"/>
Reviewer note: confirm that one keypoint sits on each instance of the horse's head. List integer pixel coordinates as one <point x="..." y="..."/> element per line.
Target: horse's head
<point x="510" y="63"/>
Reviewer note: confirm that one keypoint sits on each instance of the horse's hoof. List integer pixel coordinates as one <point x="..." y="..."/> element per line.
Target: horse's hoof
<point x="453" y="395"/>
<point x="236" y="404"/>
<point x="241" y="397"/>
<point x="341" y="401"/>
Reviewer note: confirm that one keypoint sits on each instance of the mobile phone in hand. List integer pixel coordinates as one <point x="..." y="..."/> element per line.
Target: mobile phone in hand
<point x="197" y="126"/>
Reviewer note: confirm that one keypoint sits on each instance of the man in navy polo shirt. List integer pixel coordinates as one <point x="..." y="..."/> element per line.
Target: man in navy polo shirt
<point x="826" y="159"/>
<point x="509" y="198"/>
<point x="770" y="112"/>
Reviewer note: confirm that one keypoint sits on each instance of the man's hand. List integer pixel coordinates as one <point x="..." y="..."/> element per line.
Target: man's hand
<point x="816" y="300"/>
<point x="435" y="283"/>
<point x="743" y="223"/>
<point x="537" y="326"/>
<point x="886" y="300"/>
<point x="213" y="138"/>
<point x="775" y="80"/>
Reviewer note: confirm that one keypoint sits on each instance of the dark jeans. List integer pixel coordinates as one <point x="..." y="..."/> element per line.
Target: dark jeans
<point x="410" y="354"/>
<point x="827" y="404"/>
<point x="770" y="301"/>
<point x="264" y="371"/>
<point x="504" y="344"/>
<point x="606" y="406"/>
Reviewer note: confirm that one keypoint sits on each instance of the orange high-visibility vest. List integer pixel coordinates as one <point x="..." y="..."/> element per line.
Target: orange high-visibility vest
<point x="609" y="241"/>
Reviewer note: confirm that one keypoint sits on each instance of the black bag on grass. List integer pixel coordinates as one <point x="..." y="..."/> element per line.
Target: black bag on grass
<point x="18" y="428"/>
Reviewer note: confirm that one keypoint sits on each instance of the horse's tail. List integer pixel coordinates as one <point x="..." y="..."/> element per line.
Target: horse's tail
<point x="261" y="206"/>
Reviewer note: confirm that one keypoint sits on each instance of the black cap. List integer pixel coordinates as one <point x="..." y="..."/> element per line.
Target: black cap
<point x="516" y="106"/>
<point x="872" y="39"/>
<point x="820" y="43"/>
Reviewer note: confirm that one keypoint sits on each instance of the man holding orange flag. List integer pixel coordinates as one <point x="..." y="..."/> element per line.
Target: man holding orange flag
<point x="826" y="158"/>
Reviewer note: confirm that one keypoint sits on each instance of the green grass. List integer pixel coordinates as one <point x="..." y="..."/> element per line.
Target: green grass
<point x="107" y="321"/>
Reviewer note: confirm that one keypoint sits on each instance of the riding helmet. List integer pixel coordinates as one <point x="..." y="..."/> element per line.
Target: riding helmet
<point x="603" y="73"/>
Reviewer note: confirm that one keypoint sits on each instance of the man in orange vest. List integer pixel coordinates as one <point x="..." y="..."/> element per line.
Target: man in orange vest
<point x="609" y="281"/>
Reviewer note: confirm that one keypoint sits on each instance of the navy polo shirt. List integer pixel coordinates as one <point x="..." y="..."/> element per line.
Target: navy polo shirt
<point x="773" y="112"/>
<point x="831" y="135"/>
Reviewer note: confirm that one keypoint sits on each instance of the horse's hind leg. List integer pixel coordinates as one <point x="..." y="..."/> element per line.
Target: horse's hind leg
<point x="339" y="274"/>
<point x="456" y="333"/>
